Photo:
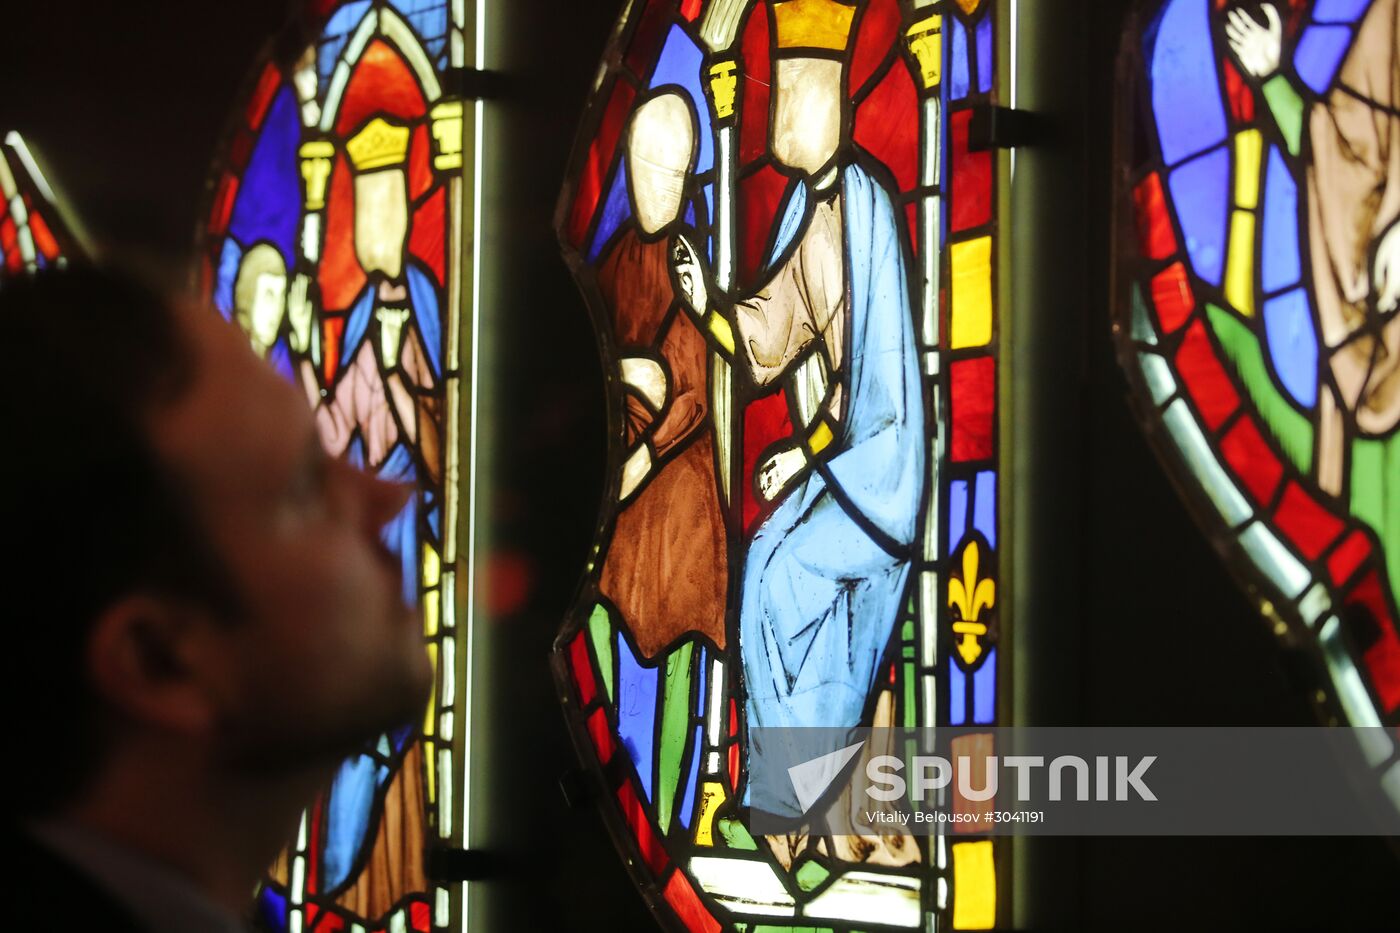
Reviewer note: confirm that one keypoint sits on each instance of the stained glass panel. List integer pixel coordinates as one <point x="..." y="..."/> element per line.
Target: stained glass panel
<point x="1258" y="315"/>
<point x="33" y="235"/>
<point x="335" y="240"/>
<point x="787" y="245"/>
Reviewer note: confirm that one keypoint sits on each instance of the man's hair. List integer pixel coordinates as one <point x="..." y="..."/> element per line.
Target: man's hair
<point x="91" y="512"/>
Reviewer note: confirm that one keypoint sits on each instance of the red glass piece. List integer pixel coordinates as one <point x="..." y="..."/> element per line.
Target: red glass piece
<point x="648" y="845"/>
<point x="760" y="194"/>
<point x="765" y="421"/>
<point x="875" y="33"/>
<point x="382" y="83"/>
<point x="223" y="203"/>
<point x="753" y="113"/>
<point x="601" y="734"/>
<point x="971" y="177"/>
<point x="583" y="669"/>
<point x="1205" y="379"/>
<point x="690" y="9"/>
<point x="339" y="272"/>
<point x="686" y="903"/>
<point x="1171" y="294"/>
<point x="1305" y="522"/>
<point x="420" y="916"/>
<point x="420" y="172"/>
<point x="9" y="245"/>
<point x="733" y="765"/>
<point x="1382" y="656"/>
<point x="887" y="126"/>
<point x="911" y="214"/>
<point x="331" y="329"/>
<point x="1349" y="555"/>
<point x="239" y="150"/>
<point x="646" y="38"/>
<point x="262" y="96"/>
<point x="1154" y="226"/>
<point x="595" y="165"/>
<point x="44" y="240"/>
<point x="733" y="718"/>
<point x="972" y="398"/>
<point x="425" y="240"/>
<point x="1252" y="460"/>
<point x="1238" y="94"/>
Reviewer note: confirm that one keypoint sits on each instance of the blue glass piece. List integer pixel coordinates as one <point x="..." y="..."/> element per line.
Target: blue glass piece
<point x="986" y="70"/>
<point x="636" y="711"/>
<point x="1186" y="99"/>
<point x="279" y="357"/>
<point x="401" y="533"/>
<point x="984" y="690"/>
<point x="268" y="206"/>
<point x="426" y="314"/>
<point x="337" y="33"/>
<point x="984" y="507"/>
<point x="229" y="257"/>
<point x="435" y="522"/>
<point x="702" y="672"/>
<point x="1200" y="191"/>
<point x="616" y="209"/>
<point x="1292" y="339"/>
<point x="957" y="694"/>
<point x="688" y="796"/>
<point x="957" y="513"/>
<point x="1280" y="261"/>
<point x="958" y="79"/>
<point x="1339" y="11"/>
<point x="272" y="910"/>
<point x="355" y="453"/>
<point x="690" y="213"/>
<point x="1319" y="53"/>
<point x="348" y="807"/>
<point x="680" y="63"/>
<point x="427" y="17"/>
<point x="437" y="51"/>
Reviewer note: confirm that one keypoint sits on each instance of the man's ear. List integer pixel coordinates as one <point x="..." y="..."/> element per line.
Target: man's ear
<point x="139" y="662"/>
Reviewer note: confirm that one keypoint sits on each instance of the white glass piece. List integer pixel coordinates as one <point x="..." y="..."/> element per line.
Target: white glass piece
<point x="1199" y="456"/>
<point x="861" y="896"/>
<point x="744" y="886"/>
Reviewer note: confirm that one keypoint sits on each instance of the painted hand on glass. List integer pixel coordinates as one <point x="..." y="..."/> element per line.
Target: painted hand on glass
<point x="690" y="275"/>
<point x="778" y="470"/>
<point x="1385" y="275"/>
<point x="299" y="313"/>
<point x="1257" y="46"/>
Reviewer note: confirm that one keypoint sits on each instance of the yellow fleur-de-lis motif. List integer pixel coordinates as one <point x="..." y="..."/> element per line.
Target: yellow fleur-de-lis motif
<point x="970" y="596"/>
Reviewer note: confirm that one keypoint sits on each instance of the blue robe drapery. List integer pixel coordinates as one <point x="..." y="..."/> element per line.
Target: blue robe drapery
<point x="826" y="571"/>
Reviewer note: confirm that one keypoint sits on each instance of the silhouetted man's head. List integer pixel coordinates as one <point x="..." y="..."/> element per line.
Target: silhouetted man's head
<point x="189" y="574"/>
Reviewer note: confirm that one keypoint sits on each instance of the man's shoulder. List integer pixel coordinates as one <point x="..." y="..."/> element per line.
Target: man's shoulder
<point x="50" y="893"/>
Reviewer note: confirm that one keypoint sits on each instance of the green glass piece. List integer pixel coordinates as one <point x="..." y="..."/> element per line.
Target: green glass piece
<point x="1375" y="495"/>
<point x="1142" y="331"/>
<point x="1287" y="108"/>
<point x="1289" y="426"/>
<point x="811" y="874"/>
<point x="675" y="729"/>
<point x="736" y="834"/>
<point x="910" y="705"/>
<point x="600" y="634"/>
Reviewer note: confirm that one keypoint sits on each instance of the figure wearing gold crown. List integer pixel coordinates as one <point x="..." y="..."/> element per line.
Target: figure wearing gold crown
<point x="825" y="573"/>
<point x="381" y="412"/>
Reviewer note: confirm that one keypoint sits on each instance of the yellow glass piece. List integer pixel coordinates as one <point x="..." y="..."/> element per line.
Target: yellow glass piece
<point x="722" y="331"/>
<point x="972" y="293"/>
<point x="711" y="796"/>
<point x="379" y="144"/>
<point x="1249" y="145"/>
<point x="820" y="438"/>
<point x="430" y="715"/>
<point x="431" y="613"/>
<point x="447" y="134"/>
<point x="315" y="170"/>
<point x="969" y="6"/>
<point x="1239" y="267"/>
<point x="724" y="82"/>
<point x="813" y="24"/>
<point x="974" y="886"/>
<point x="926" y="42"/>
<point x="970" y="596"/>
<point x="432" y="566"/>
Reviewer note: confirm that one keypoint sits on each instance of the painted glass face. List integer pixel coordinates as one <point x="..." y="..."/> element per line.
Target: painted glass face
<point x="1258" y="322"/>
<point x="334" y="241"/>
<point x="786" y="245"/>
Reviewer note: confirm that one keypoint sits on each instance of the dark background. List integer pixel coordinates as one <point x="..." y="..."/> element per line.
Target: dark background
<point x="124" y="104"/>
